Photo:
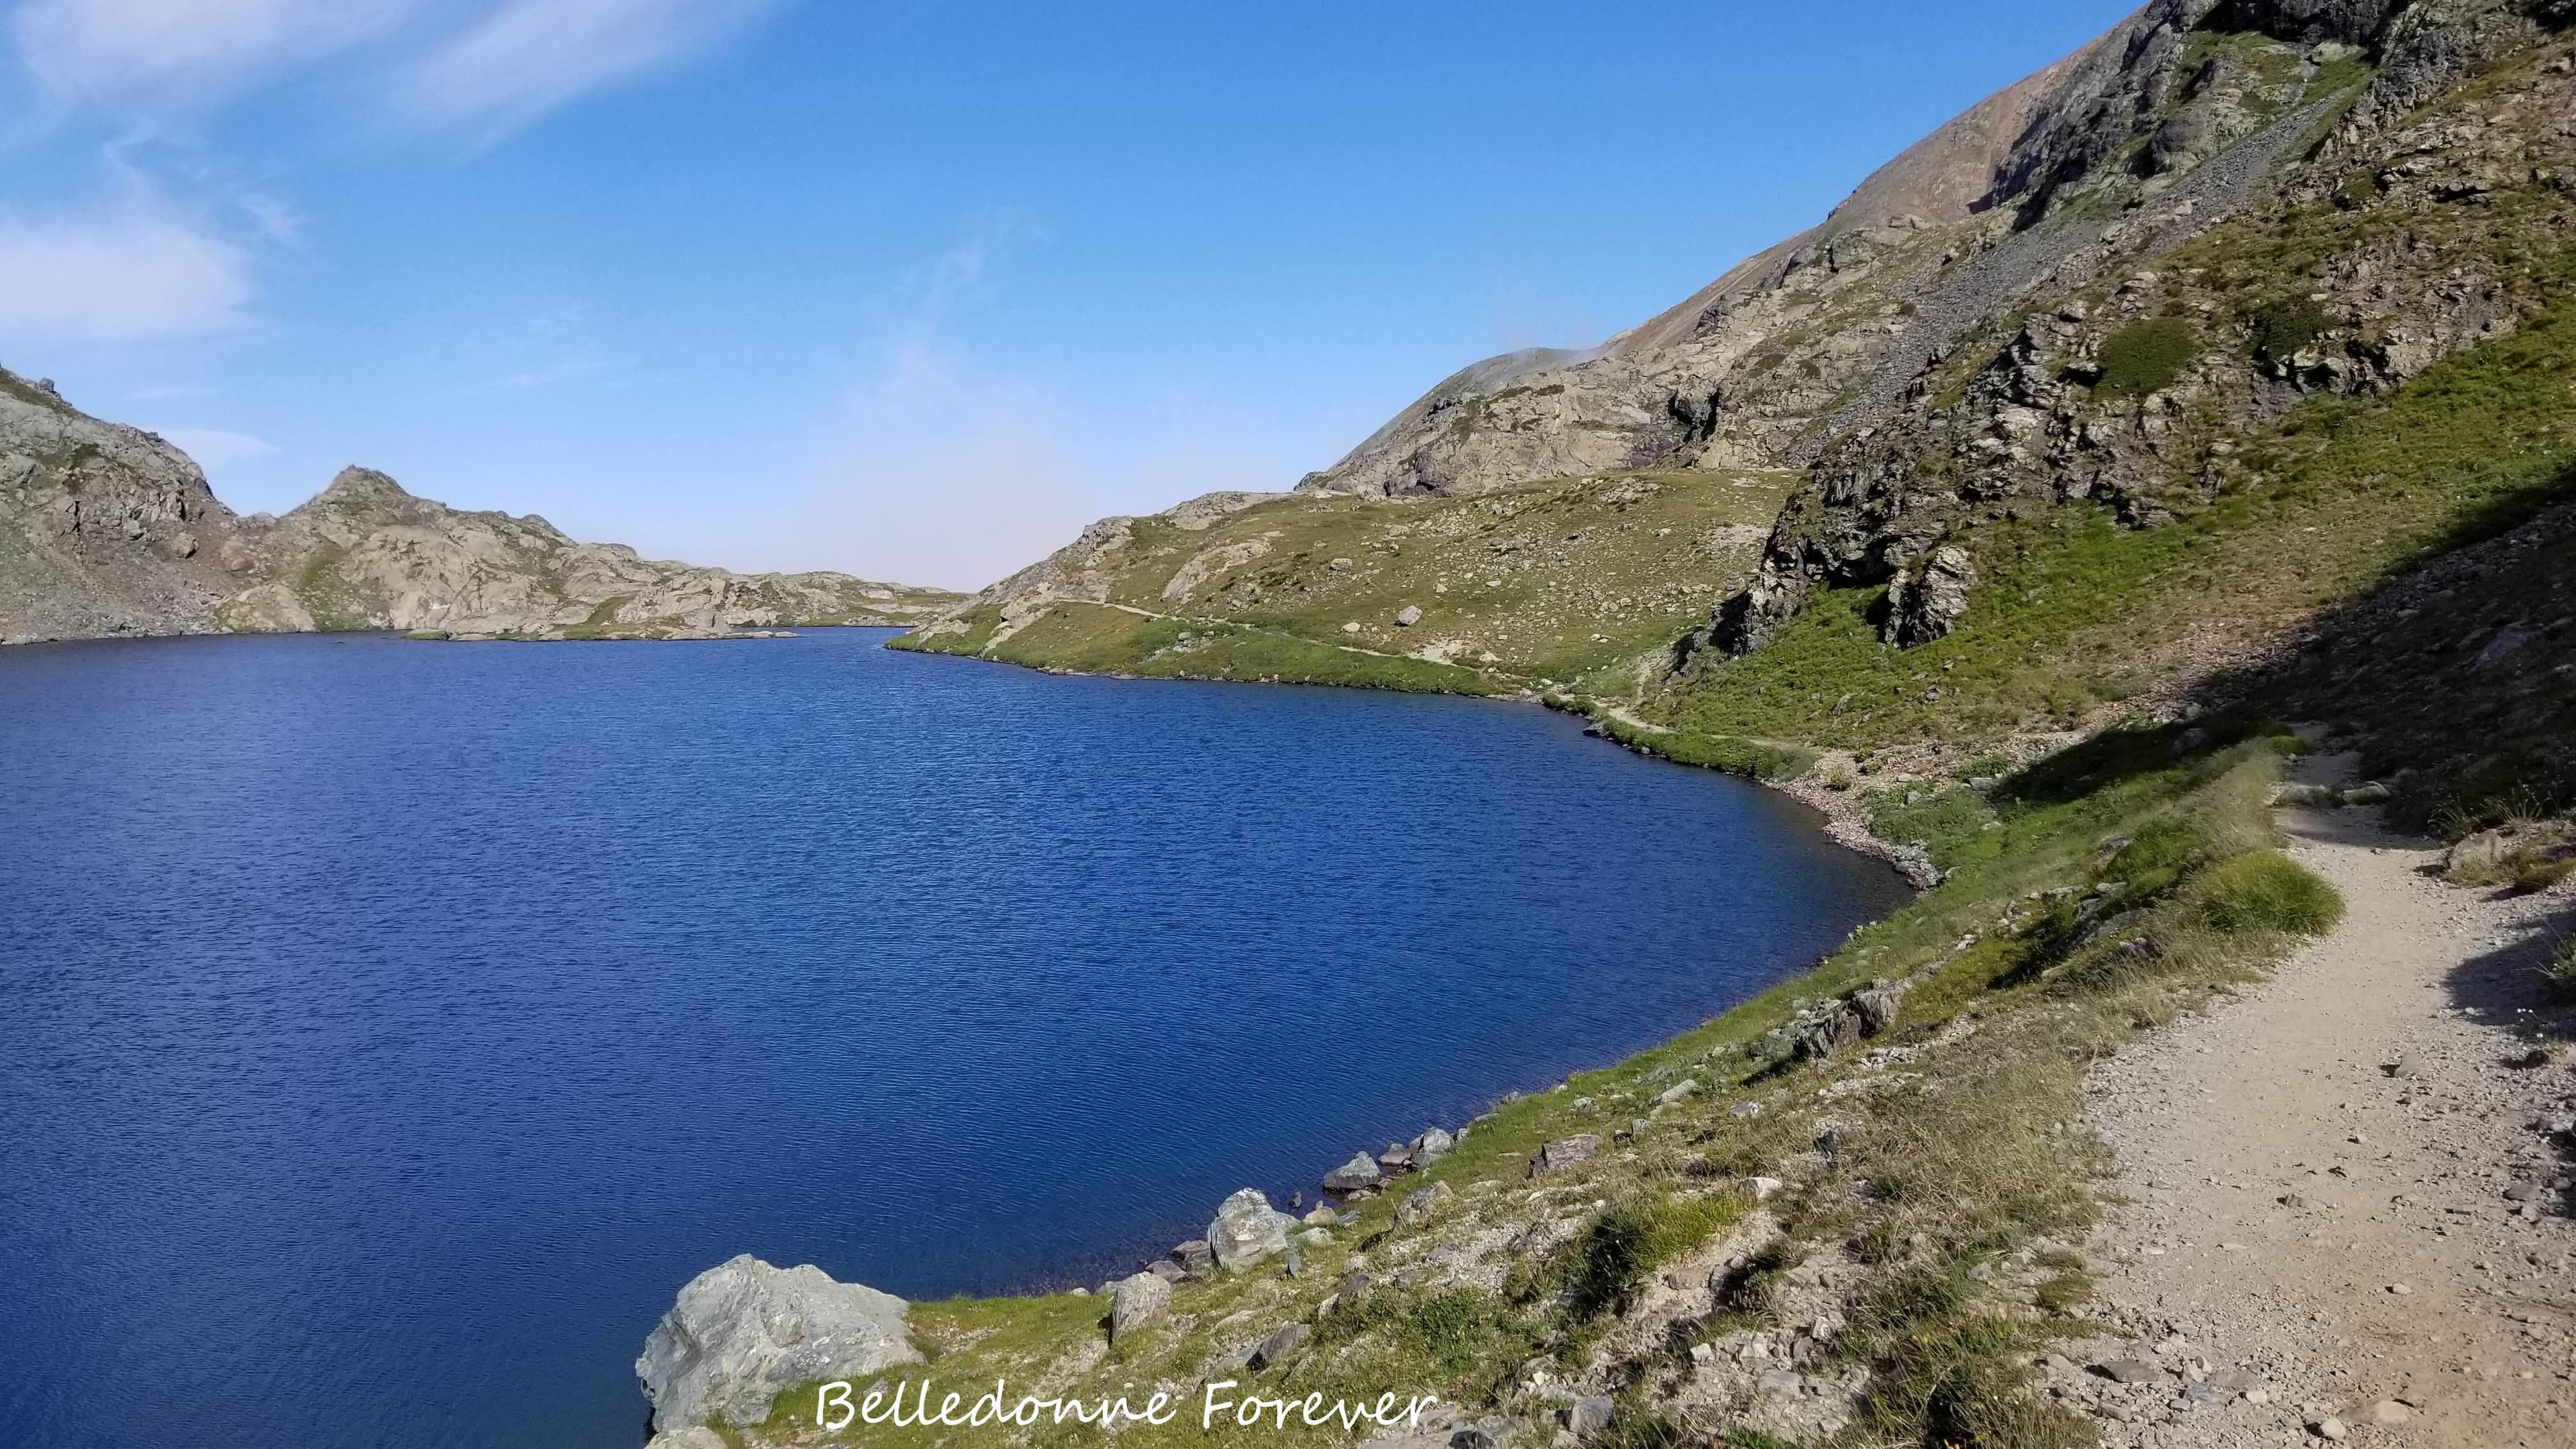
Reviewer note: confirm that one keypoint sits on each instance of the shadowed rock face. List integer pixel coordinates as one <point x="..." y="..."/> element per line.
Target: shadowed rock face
<point x="2308" y="21"/>
<point x="106" y="530"/>
<point x="2031" y="427"/>
<point x="745" y="1330"/>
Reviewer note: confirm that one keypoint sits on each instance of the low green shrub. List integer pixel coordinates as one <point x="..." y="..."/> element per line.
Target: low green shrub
<point x="1609" y="1262"/>
<point x="1633" y="1425"/>
<point x="2160" y="852"/>
<point x="2147" y="357"/>
<point x="2264" y="890"/>
<point x="2283" y="328"/>
<point x="1982" y="1405"/>
<point x="2064" y="1292"/>
<point x="1460" y="1331"/>
<point x="2560" y="973"/>
<point x="1632" y="1238"/>
<point x="1947" y="823"/>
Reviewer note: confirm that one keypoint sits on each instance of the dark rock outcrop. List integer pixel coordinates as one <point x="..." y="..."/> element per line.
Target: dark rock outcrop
<point x="1926" y="600"/>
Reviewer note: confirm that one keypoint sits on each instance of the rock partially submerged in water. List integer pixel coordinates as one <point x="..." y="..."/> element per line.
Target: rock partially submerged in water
<point x="1353" y="1176"/>
<point x="745" y="1330"/>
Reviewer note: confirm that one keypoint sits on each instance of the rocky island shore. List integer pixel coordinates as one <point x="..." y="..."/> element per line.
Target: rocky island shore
<point x="107" y="531"/>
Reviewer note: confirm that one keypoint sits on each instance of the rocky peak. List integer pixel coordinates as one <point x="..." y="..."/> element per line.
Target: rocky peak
<point x="356" y="489"/>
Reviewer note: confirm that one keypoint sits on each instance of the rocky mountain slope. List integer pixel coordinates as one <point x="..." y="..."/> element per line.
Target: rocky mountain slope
<point x="103" y="529"/>
<point x="2221" y="322"/>
<point x="2218" y="377"/>
<point x="106" y="530"/>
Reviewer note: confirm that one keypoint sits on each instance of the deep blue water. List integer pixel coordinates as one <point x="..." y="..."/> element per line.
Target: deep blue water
<point x="387" y="1030"/>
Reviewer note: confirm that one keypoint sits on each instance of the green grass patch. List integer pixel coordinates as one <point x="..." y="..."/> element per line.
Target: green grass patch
<point x="2147" y="357"/>
<point x="1603" y="1270"/>
<point x="2267" y="891"/>
<point x="1090" y="639"/>
<point x="2560" y="973"/>
<point x="1950" y="823"/>
<point x="2286" y="327"/>
<point x="1752" y="759"/>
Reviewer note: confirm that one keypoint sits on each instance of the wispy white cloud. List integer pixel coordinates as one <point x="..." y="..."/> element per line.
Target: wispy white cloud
<point x="154" y="54"/>
<point x="527" y="57"/>
<point x="127" y="274"/>
<point x="215" y="449"/>
<point x="937" y="472"/>
<point x="485" y="66"/>
<point x="171" y="392"/>
<point x="942" y="468"/>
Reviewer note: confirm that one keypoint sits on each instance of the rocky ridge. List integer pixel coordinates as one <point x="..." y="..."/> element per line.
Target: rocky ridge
<point x="1980" y="330"/>
<point x="2136" y="382"/>
<point x="107" y="531"/>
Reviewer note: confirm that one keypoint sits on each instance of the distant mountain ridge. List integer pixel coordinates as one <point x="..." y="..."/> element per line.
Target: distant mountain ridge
<point x="107" y="530"/>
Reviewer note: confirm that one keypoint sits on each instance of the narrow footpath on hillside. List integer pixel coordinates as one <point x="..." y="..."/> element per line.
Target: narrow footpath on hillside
<point x="2342" y="1203"/>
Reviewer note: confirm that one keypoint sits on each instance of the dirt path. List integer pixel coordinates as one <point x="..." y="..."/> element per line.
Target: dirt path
<point x="2344" y="1199"/>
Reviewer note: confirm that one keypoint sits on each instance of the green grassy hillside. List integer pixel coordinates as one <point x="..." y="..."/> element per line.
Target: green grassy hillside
<point x="2076" y="616"/>
<point x="1586" y="580"/>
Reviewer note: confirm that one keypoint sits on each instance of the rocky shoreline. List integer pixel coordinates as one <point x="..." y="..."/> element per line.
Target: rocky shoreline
<point x="745" y="1330"/>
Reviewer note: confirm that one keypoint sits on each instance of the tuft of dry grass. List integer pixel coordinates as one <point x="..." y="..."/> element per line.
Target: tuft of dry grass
<point x="2523" y="855"/>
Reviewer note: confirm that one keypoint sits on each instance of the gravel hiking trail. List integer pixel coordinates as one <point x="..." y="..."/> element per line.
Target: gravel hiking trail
<point x="2342" y="1201"/>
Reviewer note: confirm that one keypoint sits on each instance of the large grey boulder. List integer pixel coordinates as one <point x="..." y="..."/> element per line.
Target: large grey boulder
<point x="742" y="1332"/>
<point x="1138" y="1302"/>
<point x="1353" y="1176"/>
<point x="1248" y="1229"/>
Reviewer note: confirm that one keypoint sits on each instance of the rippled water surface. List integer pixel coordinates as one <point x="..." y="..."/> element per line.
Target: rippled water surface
<point x="388" y="1029"/>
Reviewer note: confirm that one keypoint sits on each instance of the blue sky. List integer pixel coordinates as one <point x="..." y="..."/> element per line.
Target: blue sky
<point x="910" y="288"/>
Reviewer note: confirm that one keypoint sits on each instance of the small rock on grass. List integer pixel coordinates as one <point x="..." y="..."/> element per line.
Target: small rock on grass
<point x="1419" y="1204"/>
<point x="1275" y="1349"/>
<point x="1563" y="1153"/>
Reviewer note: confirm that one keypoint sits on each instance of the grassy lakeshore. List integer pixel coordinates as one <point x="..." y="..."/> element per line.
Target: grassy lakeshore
<point x="2092" y="897"/>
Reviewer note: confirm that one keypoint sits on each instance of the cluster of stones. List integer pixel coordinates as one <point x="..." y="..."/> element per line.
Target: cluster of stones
<point x="1248" y="1230"/>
